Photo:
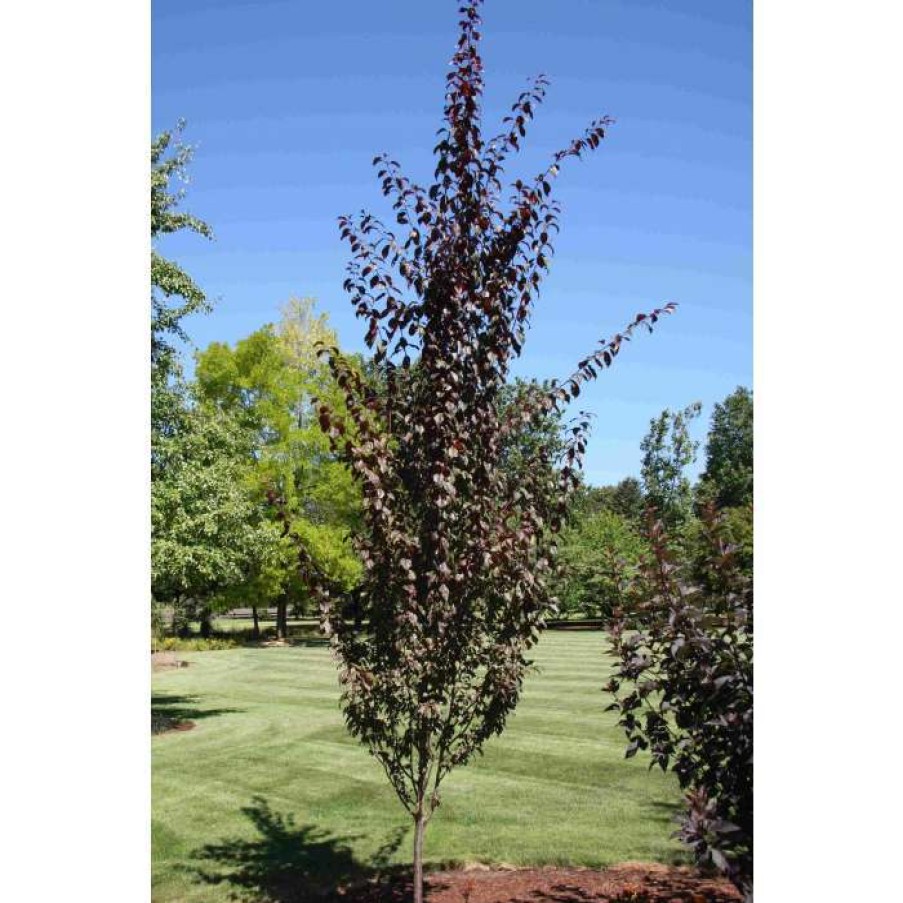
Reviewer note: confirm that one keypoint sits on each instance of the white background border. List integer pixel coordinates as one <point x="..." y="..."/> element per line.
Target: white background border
<point x="74" y="344"/>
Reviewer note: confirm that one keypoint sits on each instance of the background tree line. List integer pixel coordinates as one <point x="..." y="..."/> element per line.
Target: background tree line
<point x="245" y="426"/>
<point x="607" y="524"/>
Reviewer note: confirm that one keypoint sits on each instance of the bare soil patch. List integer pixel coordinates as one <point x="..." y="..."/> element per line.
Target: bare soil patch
<point x="627" y="883"/>
<point x="162" y="660"/>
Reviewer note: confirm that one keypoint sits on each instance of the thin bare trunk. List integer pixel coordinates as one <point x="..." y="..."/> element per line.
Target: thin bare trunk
<point x="282" y="620"/>
<point x="419" y="825"/>
<point x="256" y="633"/>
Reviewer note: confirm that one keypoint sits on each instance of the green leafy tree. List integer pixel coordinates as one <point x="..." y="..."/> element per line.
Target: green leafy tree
<point x="208" y="534"/>
<point x="628" y="501"/>
<point x="523" y="445"/>
<point x="624" y="498"/>
<point x="267" y="381"/>
<point x="174" y="294"/>
<point x="728" y="476"/>
<point x="668" y="451"/>
<point x="595" y="550"/>
<point x="737" y="527"/>
<point x="456" y="543"/>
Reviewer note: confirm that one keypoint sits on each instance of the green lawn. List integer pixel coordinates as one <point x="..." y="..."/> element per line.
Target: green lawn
<point x="269" y="790"/>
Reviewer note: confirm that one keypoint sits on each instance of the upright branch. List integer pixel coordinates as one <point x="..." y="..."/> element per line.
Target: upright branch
<point x="457" y="542"/>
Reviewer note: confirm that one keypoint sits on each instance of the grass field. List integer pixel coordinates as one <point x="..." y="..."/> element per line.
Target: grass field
<point x="269" y="789"/>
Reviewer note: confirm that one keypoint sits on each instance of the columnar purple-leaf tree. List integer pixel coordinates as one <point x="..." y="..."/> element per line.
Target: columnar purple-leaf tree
<point x="457" y="542"/>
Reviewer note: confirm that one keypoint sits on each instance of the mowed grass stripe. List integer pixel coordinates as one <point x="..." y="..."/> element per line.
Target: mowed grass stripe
<point x="553" y="789"/>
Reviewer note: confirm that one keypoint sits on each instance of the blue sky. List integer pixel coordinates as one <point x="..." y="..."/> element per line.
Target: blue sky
<point x="288" y="102"/>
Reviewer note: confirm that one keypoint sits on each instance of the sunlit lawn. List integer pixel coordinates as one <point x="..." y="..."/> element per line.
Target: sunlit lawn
<point x="268" y="788"/>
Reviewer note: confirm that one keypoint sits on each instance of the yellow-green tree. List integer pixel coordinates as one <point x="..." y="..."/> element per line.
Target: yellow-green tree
<point x="269" y="381"/>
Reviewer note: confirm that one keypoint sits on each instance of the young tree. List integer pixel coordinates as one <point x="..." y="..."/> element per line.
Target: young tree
<point x="667" y="452"/>
<point x="728" y="476"/>
<point x="456" y="545"/>
<point x="683" y="688"/>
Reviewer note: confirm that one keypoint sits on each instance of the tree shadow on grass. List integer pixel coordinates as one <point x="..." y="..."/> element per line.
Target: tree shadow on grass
<point x="288" y="863"/>
<point x="311" y="639"/>
<point x="170" y="711"/>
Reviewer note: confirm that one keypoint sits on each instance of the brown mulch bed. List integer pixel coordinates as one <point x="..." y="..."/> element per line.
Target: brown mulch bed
<point x="627" y="883"/>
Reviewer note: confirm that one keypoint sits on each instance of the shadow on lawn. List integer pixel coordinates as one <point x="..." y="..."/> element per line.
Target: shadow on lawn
<point x="309" y="642"/>
<point x="169" y="710"/>
<point x="287" y="863"/>
<point x="291" y="864"/>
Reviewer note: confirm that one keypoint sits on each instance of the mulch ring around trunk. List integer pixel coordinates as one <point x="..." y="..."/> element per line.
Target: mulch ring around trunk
<point x="633" y="882"/>
<point x="166" y="724"/>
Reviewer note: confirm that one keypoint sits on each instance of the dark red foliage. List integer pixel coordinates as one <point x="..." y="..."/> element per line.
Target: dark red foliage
<point x="457" y="542"/>
<point x="683" y="689"/>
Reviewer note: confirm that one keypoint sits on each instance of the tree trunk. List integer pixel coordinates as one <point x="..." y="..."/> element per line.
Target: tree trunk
<point x="419" y="825"/>
<point x="179" y="626"/>
<point x="206" y="628"/>
<point x="358" y="613"/>
<point x="256" y="631"/>
<point x="282" y="619"/>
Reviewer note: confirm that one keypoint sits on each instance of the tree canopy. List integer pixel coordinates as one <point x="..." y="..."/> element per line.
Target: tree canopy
<point x="174" y="294"/>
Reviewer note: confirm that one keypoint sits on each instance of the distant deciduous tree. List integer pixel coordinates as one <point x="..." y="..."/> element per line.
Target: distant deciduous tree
<point x="595" y="552"/>
<point x="668" y="451"/>
<point x="627" y="500"/>
<point x="624" y="498"/>
<point x="456" y="544"/>
<point x="542" y="435"/>
<point x="266" y="382"/>
<point x="728" y="476"/>
<point x="174" y="294"/>
<point x="207" y="533"/>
